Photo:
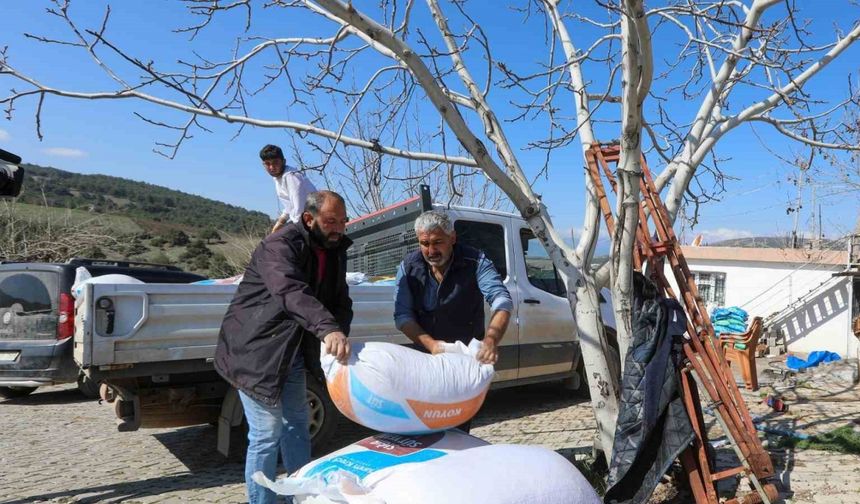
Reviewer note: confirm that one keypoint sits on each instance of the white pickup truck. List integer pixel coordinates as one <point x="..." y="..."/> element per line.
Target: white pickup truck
<point x="151" y="345"/>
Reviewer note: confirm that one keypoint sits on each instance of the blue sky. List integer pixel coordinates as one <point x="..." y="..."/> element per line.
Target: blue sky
<point x="105" y="137"/>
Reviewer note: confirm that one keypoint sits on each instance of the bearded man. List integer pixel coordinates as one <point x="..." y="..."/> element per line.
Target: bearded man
<point x="293" y="295"/>
<point x="441" y="289"/>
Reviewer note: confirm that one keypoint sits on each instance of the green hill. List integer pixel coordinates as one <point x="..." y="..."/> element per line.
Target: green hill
<point x="60" y="215"/>
<point x="148" y="204"/>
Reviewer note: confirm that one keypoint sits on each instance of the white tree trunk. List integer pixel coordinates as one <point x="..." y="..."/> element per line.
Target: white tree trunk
<point x="584" y="300"/>
<point x="635" y="83"/>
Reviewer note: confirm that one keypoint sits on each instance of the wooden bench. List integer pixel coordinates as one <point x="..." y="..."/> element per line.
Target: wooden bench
<point x="744" y="357"/>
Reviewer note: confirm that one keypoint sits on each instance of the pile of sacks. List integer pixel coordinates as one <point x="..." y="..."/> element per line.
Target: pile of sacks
<point x="416" y="400"/>
<point x="729" y="320"/>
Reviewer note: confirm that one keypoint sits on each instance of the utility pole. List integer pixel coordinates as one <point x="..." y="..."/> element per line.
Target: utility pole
<point x="814" y="234"/>
<point x="797" y="207"/>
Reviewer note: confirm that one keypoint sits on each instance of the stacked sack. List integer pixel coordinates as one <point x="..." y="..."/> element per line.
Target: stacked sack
<point x="445" y="467"/>
<point x="414" y="398"/>
<point x="729" y="320"/>
<point x="396" y="389"/>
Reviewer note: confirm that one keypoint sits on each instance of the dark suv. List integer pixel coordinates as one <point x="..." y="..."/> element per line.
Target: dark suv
<point x="37" y="319"/>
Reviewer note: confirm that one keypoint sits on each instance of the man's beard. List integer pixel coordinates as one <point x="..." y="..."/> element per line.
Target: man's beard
<point x="330" y="241"/>
<point x="438" y="260"/>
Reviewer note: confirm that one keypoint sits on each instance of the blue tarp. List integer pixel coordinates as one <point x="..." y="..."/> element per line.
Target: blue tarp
<point x="815" y="358"/>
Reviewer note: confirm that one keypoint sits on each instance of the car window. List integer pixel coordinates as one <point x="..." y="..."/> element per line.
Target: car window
<point x="487" y="237"/>
<point x="29" y="292"/>
<point x="539" y="267"/>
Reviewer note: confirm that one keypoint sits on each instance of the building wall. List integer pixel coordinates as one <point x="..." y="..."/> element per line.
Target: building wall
<point x="764" y="287"/>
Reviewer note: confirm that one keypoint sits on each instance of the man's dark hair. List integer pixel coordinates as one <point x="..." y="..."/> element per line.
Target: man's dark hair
<point x="316" y="200"/>
<point x="271" y="152"/>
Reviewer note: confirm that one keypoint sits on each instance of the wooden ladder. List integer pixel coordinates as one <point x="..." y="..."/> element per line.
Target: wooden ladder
<point x="704" y="357"/>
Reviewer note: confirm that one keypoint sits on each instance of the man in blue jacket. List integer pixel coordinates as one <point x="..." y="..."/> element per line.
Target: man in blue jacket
<point x="293" y="295"/>
<point x="441" y="289"/>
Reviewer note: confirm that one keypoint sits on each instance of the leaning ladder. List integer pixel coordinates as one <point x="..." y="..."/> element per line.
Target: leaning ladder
<point x="704" y="357"/>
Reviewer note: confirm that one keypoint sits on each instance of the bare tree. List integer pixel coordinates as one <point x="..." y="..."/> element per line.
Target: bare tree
<point x="371" y="181"/>
<point x="845" y="179"/>
<point x="440" y="67"/>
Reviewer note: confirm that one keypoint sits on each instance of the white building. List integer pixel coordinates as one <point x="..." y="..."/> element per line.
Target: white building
<point x="792" y="289"/>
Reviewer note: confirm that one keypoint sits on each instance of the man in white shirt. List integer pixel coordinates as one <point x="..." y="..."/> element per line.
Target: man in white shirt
<point x="291" y="186"/>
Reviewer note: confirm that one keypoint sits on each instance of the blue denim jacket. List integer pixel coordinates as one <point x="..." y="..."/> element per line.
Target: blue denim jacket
<point x="489" y="281"/>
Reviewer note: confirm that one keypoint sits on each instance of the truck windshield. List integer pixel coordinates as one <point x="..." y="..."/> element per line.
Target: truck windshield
<point x="28" y="292"/>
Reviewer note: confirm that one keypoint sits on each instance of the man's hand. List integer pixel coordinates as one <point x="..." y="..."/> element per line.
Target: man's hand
<point x="489" y="352"/>
<point x="419" y="336"/>
<point x="278" y="224"/>
<point x="435" y="346"/>
<point x="337" y="344"/>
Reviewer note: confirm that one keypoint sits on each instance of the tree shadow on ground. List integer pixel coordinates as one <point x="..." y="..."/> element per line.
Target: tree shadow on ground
<point x="48" y="397"/>
<point x="128" y="491"/>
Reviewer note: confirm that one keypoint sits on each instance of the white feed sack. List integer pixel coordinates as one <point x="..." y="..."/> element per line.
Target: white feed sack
<point x="83" y="277"/>
<point x="447" y="467"/>
<point x="396" y="389"/>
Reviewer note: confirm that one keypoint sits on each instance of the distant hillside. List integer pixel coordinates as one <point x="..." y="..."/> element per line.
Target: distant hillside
<point x="770" y="242"/>
<point x="103" y="194"/>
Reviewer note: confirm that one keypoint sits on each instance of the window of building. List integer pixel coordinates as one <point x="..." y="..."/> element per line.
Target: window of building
<point x="712" y="287"/>
<point x="539" y="268"/>
<point x="487" y="237"/>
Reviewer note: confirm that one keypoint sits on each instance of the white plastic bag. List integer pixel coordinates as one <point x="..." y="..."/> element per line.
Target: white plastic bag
<point x="393" y="388"/>
<point x="465" y="472"/>
<point x="356" y="277"/>
<point x="83" y="277"/>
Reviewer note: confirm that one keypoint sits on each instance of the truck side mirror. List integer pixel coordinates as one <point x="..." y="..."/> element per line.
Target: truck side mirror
<point x="11" y="175"/>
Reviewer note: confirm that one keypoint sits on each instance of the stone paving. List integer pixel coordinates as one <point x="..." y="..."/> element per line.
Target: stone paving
<point x="58" y="447"/>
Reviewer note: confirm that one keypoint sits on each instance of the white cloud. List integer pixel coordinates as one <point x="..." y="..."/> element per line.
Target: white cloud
<point x="720" y="234"/>
<point x="4" y="135"/>
<point x="65" y="152"/>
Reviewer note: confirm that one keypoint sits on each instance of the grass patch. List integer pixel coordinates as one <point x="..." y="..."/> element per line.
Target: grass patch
<point x="28" y="212"/>
<point x="842" y="440"/>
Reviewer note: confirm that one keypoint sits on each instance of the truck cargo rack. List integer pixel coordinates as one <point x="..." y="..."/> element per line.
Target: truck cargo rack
<point x="380" y="240"/>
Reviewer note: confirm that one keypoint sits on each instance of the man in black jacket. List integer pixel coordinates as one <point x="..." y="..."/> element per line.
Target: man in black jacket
<point x="293" y="295"/>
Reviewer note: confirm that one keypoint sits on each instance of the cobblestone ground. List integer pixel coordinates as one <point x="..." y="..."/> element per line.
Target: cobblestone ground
<point x="58" y="447"/>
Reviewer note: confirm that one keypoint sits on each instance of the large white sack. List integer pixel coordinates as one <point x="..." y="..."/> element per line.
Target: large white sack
<point x="393" y="388"/>
<point x="492" y="474"/>
<point x="351" y="473"/>
<point x="83" y="277"/>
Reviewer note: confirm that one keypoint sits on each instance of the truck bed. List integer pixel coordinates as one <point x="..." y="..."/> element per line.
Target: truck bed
<point x="123" y="324"/>
<point x="169" y="323"/>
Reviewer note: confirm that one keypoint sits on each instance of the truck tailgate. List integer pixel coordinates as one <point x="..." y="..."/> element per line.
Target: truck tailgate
<point x="117" y="324"/>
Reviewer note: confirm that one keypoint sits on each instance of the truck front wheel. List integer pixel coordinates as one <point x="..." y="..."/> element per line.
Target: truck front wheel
<point x="322" y="412"/>
<point x="322" y="419"/>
